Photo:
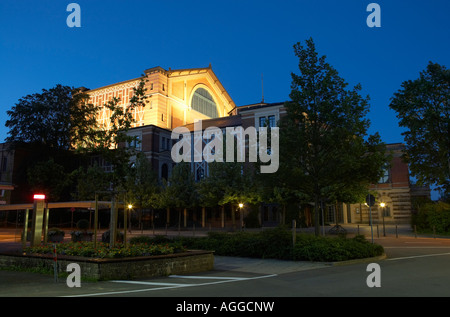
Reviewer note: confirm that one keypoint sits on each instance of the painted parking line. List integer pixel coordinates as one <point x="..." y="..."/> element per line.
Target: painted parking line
<point x="209" y="277"/>
<point x="171" y="285"/>
<point x="417" y="256"/>
<point x="150" y="283"/>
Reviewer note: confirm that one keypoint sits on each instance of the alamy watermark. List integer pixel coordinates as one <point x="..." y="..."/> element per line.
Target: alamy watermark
<point x="374" y="18"/>
<point x="74" y="18"/>
<point x="208" y="145"/>
<point x="374" y="278"/>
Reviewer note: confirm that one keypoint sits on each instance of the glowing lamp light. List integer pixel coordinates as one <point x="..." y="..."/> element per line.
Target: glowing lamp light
<point x="39" y="196"/>
<point x="241" y="205"/>
<point x="382" y="205"/>
<point x="130" y="206"/>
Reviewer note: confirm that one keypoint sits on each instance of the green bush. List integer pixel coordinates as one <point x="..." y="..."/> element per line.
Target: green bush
<point x="102" y="250"/>
<point x="328" y="249"/>
<point x="277" y="244"/>
<point x="433" y="215"/>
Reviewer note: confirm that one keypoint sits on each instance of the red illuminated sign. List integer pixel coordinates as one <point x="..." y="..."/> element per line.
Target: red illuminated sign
<point x="39" y="196"/>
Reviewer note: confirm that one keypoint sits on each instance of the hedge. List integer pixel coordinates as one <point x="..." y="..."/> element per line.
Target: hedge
<point x="277" y="244"/>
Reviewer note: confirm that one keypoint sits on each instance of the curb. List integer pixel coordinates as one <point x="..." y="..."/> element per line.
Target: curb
<point x="355" y="261"/>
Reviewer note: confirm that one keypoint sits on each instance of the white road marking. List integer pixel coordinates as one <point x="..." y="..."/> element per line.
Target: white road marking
<point x="417" y="256"/>
<point x="417" y="247"/>
<point x="209" y="277"/>
<point x="150" y="283"/>
<point x="172" y="285"/>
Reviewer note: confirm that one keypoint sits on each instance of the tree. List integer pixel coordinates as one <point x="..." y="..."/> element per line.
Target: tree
<point x="88" y="181"/>
<point x="141" y="185"/>
<point x="422" y="107"/>
<point x="179" y="191"/>
<point x="50" y="179"/>
<point x="325" y="151"/>
<point x="228" y="183"/>
<point x="57" y="118"/>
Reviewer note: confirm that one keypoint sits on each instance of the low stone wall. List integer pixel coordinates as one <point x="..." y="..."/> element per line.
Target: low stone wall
<point x="123" y="268"/>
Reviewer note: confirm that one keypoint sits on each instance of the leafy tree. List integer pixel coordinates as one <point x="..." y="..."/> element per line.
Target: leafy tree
<point x="49" y="178"/>
<point x="141" y="185"/>
<point x="228" y="183"/>
<point x="324" y="147"/>
<point x="57" y="118"/>
<point x="179" y="191"/>
<point x="89" y="180"/>
<point x="422" y="107"/>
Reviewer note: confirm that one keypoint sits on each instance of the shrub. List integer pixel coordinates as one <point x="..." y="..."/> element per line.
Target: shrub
<point x="86" y="249"/>
<point x="329" y="249"/>
<point x="433" y="216"/>
<point x="277" y="244"/>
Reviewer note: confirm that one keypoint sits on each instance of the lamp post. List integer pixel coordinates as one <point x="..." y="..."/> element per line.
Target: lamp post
<point x="125" y="215"/>
<point x="241" y="216"/>
<point x="382" y="205"/>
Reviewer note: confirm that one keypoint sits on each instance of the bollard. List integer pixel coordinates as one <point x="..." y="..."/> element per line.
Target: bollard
<point x="378" y="232"/>
<point x="415" y="231"/>
<point x="396" y="231"/>
<point x="358" y="230"/>
<point x="293" y="232"/>
<point x="55" y="264"/>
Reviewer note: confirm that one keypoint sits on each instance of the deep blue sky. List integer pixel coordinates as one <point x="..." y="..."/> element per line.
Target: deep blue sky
<point x="242" y="39"/>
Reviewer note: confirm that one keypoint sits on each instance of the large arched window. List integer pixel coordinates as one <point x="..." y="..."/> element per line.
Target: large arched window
<point x="203" y="102"/>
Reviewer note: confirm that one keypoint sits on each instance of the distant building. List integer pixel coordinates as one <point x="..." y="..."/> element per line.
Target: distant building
<point x="394" y="189"/>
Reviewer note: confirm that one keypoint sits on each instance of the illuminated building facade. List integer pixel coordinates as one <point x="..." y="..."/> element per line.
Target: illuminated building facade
<point x="175" y="97"/>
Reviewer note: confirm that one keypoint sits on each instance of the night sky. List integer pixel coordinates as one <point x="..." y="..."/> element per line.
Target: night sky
<point x="242" y="40"/>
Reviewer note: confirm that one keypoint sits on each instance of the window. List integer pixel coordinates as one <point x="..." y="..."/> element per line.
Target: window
<point x="203" y="102"/>
<point x="262" y="122"/>
<point x="386" y="211"/>
<point x="267" y="121"/>
<point x="272" y="122"/>
<point x="151" y="86"/>
<point x="385" y="177"/>
<point x="135" y="143"/>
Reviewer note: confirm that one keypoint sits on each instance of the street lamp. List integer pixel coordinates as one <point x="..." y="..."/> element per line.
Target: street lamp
<point x="125" y="225"/>
<point x="241" y="216"/>
<point x="382" y="205"/>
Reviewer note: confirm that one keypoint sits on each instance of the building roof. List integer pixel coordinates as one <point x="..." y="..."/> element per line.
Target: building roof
<point x="259" y="106"/>
<point x="221" y="122"/>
